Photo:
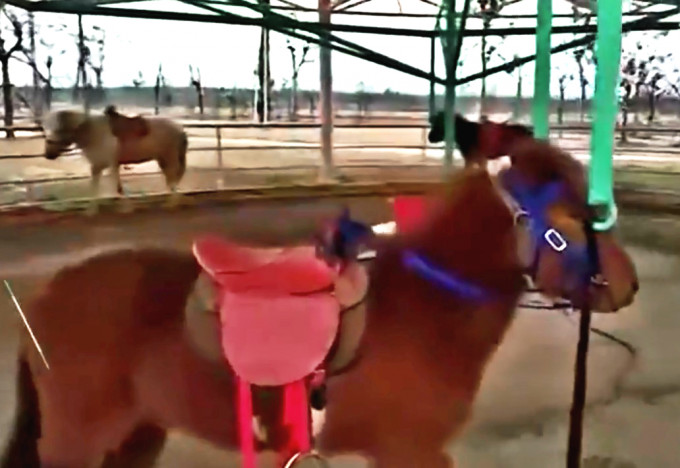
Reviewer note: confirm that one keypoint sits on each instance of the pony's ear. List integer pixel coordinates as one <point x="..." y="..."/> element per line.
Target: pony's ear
<point x="467" y="134"/>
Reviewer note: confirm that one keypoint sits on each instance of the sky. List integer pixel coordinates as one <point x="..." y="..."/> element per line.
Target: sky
<point x="227" y="55"/>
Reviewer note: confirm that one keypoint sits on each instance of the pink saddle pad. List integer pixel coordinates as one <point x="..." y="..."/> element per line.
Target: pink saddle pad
<point x="279" y="315"/>
<point x="295" y="270"/>
<point x="272" y="339"/>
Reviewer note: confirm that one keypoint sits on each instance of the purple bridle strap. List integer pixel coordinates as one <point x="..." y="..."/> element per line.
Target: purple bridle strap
<point x="445" y="279"/>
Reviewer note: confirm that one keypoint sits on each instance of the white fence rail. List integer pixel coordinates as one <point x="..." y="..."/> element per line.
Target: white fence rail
<point x="220" y="148"/>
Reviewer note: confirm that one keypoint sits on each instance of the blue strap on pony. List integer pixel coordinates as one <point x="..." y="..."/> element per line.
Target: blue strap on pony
<point x="444" y="279"/>
<point x="536" y="201"/>
<point x="342" y="240"/>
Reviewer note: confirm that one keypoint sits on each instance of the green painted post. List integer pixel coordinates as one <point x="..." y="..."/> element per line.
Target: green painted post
<point x="541" y="102"/>
<point x="605" y="110"/>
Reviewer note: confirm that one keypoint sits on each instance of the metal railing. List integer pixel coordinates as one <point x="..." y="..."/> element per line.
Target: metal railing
<point x="221" y="149"/>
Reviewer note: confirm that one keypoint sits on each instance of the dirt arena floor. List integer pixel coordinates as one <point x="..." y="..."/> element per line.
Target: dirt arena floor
<point x="522" y="412"/>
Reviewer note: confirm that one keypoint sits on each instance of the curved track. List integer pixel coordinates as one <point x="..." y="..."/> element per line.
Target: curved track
<point x="521" y="414"/>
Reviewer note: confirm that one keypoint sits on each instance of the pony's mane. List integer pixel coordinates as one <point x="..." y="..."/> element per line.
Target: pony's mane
<point x="470" y="233"/>
<point x="539" y="162"/>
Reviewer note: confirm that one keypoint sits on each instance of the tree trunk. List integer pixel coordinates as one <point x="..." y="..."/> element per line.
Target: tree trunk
<point x="312" y="105"/>
<point x="7" y="96"/>
<point x="36" y="97"/>
<point x="199" y="91"/>
<point x="156" y="98"/>
<point x="48" y="86"/>
<point x="624" y="116"/>
<point x="482" y="96"/>
<point x="294" y="98"/>
<point x="582" y="83"/>
<point x="518" y="95"/>
<point x="652" y="107"/>
<point x="560" y="108"/>
<point x="264" y="73"/>
<point x="80" y="72"/>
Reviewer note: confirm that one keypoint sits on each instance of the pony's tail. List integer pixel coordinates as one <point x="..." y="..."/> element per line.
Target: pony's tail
<point x="22" y="448"/>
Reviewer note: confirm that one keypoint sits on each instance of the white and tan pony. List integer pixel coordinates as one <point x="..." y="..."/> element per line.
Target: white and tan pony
<point x="110" y="140"/>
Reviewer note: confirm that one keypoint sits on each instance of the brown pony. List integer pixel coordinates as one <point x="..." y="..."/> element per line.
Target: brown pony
<point x="112" y="140"/>
<point x="125" y="367"/>
<point x="479" y="142"/>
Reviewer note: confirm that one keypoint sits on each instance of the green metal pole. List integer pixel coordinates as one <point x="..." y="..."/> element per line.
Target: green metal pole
<point x="541" y="102"/>
<point x="433" y="43"/>
<point x="449" y="46"/>
<point x="600" y="189"/>
<point x="605" y="110"/>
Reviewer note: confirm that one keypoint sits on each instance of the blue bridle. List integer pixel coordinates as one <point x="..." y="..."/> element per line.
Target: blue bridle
<point x="534" y="202"/>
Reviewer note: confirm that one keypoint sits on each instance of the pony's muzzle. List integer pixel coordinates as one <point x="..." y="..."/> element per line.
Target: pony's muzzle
<point x="53" y="150"/>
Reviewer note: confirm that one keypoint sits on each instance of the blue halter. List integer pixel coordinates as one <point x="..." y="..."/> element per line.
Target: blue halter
<point x="535" y="202"/>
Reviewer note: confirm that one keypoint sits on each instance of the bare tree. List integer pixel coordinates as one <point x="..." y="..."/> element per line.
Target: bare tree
<point x="16" y="29"/>
<point x="198" y="86"/>
<point x="42" y="91"/>
<point x="644" y="78"/>
<point x="297" y="62"/>
<point x="81" y="88"/>
<point x="562" y="81"/>
<point x="489" y="10"/>
<point x="363" y="99"/>
<point x="138" y="80"/>
<point x="264" y="72"/>
<point x="160" y="84"/>
<point x="311" y="100"/>
<point x="97" y="65"/>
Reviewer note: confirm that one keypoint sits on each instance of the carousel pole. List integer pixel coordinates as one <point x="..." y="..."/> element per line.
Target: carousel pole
<point x="449" y="45"/>
<point x="600" y="188"/>
<point x="326" y="79"/>
<point x="433" y="62"/>
<point x="541" y="101"/>
<point x="605" y="110"/>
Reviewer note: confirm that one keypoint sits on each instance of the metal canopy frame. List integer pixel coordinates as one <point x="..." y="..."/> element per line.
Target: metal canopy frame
<point x="312" y="31"/>
<point x="321" y="33"/>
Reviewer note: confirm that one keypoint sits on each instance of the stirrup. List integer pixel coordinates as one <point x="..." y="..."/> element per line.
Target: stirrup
<point x="313" y="459"/>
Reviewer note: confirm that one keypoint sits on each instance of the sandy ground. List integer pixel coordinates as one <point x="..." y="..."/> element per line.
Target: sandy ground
<point x="522" y="411"/>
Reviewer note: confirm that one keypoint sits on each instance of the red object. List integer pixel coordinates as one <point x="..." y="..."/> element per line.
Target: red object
<point x="409" y="211"/>
<point x="245" y="423"/>
<point x="296" y="417"/>
<point x="279" y="317"/>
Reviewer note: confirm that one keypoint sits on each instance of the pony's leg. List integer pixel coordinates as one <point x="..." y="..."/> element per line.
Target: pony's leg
<point x="140" y="449"/>
<point x="174" y="197"/>
<point x="172" y="175"/>
<point x="93" y="207"/>
<point x="126" y="205"/>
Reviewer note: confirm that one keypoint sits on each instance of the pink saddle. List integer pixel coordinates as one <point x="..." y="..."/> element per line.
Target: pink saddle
<point x="279" y="315"/>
